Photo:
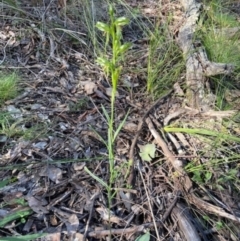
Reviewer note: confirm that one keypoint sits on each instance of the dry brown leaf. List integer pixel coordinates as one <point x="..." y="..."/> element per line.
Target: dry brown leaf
<point x="104" y="212"/>
<point x="53" y="173"/>
<point x="89" y="87"/>
<point x="109" y="92"/>
<point x="130" y="126"/>
<point x="37" y="204"/>
<point x="54" y="234"/>
<point x="79" y="237"/>
<point x="70" y="220"/>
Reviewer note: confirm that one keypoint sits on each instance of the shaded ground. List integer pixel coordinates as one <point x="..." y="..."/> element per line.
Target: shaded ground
<point x="55" y="121"/>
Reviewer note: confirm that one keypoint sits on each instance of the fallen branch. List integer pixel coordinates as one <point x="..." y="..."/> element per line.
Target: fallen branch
<point x="182" y="216"/>
<point x="198" y="67"/>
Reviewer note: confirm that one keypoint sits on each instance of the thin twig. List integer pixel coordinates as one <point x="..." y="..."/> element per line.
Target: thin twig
<point x="149" y="204"/>
<point x="134" y="142"/>
<point x="90" y="214"/>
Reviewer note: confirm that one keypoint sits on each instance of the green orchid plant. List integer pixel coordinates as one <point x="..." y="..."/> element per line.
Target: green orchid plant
<point x="112" y="69"/>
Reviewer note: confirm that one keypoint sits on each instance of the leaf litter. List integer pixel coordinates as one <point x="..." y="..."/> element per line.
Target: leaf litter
<point x="47" y="188"/>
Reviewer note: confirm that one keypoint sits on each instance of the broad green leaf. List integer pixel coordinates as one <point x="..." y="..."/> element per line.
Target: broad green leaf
<point x="208" y="176"/>
<point x="4" y="183"/>
<point x="123" y="48"/>
<point x="144" y="237"/>
<point x="219" y="225"/>
<point x="147" y="152"/>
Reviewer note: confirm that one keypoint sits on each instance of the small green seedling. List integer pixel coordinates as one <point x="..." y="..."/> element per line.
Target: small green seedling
<point x="147" y="152"/>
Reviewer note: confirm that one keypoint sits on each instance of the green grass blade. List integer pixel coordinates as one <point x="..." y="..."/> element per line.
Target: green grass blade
<point x="100" y="137"/>
<point x="15" y="215"/>
<point x="24" y="238"/>
<point x="120" y="127"/>
<point x="96" y="178"/>
<point x="73" y="34"/>
<point x="106" y="114"/>
<point x="203" y="132"/>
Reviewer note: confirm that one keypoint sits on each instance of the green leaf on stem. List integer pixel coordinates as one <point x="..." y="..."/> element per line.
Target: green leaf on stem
<point x="102" y="27"/>
<point x="106" y="114"/>
<point x="121" y="21"/>
<point x="105" y="64"/>
<point x="123" y="48"/>
<point x="120" y="127"/>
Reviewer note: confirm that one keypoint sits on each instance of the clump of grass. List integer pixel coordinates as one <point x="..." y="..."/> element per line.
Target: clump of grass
<point x="8" y="126"/>
<point x="165" y="62"/>
<point x="13" y="128"/>
<point x="8" y="86"/>
<point x="223" y="47"/>
<point x="90" y="13"/>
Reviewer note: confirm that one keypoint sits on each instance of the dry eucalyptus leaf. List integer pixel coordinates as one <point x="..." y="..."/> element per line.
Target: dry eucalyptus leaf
<point x="70" y="220"/>
<point x="53" y="234"/>
<point x="126" y="200"/>
<point x="72" y="223"/>
<point x="40" y="145"/>
<point x="78" y="166"/>
<point x="53" y="173"/>
<point x="79" y="237"/>
<point x="15" y="113"/>
<point x="3" y="36"/>
<point x="130" y="126"/>
<point x="3" y="138"/>
<point x="37" y="204"/>
<point x="52" y="237"/>
<point x="104" y="212"/>
<point x="109" y="92"/>
<point x="89" y="86"/>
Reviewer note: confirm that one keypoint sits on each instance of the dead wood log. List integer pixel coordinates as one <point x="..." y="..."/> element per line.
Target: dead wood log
<point x="198" y="67"/>
<point x="183" y="218"/>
